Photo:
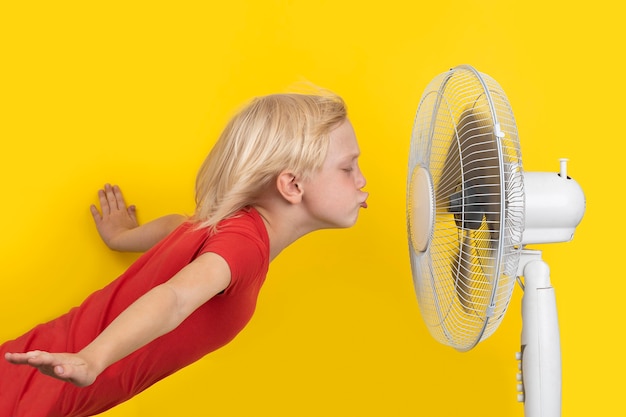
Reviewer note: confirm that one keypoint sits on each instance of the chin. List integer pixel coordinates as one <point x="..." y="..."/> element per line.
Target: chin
<point x="346" y="222"/>
<point x="350" y="222"/>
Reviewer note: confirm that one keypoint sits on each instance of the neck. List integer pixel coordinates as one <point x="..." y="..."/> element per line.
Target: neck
<point x="282" y="229"/>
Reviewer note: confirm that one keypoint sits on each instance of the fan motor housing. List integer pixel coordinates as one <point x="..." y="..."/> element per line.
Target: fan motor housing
<point x="555" y="205"/>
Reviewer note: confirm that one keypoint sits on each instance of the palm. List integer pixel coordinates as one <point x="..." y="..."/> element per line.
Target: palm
<point x="114" y="217"/>
<point x="67" y="367"/>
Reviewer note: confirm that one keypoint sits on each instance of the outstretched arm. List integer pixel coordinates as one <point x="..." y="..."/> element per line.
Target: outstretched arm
<point x="118" y="227"/>
<point x="154" y="314"/>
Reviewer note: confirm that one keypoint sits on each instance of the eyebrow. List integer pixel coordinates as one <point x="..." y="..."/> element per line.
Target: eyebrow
<point x="352" y="156"/>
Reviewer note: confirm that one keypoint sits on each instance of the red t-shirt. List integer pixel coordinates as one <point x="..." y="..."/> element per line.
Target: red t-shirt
<point x="242" y="241"/>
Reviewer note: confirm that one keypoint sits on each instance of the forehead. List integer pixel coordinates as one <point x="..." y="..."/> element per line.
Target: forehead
<point x="343" y="143"/>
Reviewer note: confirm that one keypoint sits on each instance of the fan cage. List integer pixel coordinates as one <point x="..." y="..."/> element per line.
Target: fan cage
<point x="465" y="136"/>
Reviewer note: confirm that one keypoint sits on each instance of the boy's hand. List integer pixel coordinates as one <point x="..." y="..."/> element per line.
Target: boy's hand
<point x="118" y="226"/>
<point x="67" y="367"/>
<point x="114" y="218"/>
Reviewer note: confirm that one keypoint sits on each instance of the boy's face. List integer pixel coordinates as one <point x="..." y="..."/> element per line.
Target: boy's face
<point x="333" y="195"/>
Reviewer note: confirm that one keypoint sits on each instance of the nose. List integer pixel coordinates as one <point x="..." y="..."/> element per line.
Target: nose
<point x="360" y="180"/>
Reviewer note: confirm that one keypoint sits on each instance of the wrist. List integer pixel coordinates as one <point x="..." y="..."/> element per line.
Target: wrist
<point x="93" y="361"/>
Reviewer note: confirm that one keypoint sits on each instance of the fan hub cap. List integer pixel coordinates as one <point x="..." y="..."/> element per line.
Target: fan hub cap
<point x="421" y="209"/>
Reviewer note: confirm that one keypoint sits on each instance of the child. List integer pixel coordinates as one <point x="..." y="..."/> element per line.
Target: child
<point x="284" y="166"/>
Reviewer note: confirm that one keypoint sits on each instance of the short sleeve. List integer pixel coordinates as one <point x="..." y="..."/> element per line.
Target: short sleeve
<point x="242" y="245"/>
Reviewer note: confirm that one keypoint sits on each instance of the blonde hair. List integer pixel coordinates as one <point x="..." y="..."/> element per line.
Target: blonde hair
<point x="271" y="134"/>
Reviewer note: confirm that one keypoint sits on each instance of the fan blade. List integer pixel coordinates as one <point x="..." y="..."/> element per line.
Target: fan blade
<point x="473" y="271"/>
<point x="471" y="178"/>
<point x="470" y="183"/>
<point x="462" y="273"/>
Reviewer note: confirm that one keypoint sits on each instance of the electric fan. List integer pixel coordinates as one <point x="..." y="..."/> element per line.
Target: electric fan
<point x="471" y="211"/>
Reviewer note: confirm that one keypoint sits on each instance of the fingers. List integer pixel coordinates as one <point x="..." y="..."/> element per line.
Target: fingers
<point x="119" y="198"/>
<point x="95" y="213"/>
<point x="104" y="202"/>
<point x="35" y="357"/>
<point x="110" y="199"/>
<point x="16" y="358"/>
<point x="132" y="212"/>
<point x="60" y="366"/>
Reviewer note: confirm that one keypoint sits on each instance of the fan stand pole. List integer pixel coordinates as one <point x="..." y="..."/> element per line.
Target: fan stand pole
<point x="541" y="351"/>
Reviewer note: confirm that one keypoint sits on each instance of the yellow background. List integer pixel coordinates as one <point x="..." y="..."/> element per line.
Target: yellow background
<point x="135" y="94"/>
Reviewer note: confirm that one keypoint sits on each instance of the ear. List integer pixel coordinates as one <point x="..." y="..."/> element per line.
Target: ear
<point x="289" y="187"/>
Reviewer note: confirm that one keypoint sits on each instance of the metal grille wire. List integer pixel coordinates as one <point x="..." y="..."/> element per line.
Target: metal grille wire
<point x="465" y="136"/>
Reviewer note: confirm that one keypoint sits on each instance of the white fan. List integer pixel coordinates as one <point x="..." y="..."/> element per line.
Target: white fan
<point x="471" y="211"/>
